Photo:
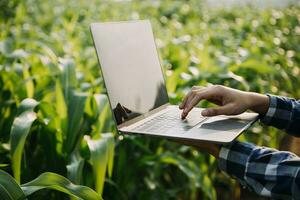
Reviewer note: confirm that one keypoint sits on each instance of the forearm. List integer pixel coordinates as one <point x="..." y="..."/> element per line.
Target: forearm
<point x="266" y="171"/>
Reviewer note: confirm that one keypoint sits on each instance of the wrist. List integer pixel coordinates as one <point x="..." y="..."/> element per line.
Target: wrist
<point x="258" y="103"/>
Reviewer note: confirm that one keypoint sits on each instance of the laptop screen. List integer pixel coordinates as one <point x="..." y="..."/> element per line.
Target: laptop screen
<point x="130" y="67"/>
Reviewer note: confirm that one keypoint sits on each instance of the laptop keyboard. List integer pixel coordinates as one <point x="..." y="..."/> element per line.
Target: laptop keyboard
<point x="170" y="122"/>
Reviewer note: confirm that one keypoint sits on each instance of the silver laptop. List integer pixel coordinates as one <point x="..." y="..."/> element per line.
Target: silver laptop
<point x="137" y="92"/>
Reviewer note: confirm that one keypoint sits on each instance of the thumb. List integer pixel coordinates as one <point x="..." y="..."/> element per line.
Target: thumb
<point x="222" y="110"/>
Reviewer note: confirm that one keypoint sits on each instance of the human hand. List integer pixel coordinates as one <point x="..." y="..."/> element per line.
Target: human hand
<point x="230" y="101"/>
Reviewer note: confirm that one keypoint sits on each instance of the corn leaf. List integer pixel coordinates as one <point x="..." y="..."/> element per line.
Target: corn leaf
<point x="75" y="167"/>
<point x="57" y="182"/>
<point x="68" y="76"/>
<point x="76" y="108"/>
<point x="19" y="132"/>
<point x="29" y="85"/>
<point x="101" y="101"/>
<point x="3" y="165"/>
<point x="27" y="105"/>
<point x="61" y="107"/>
<point x="9" y="188"/>
<point x="191" y="170"/>
<point x="111" y="152"/>
<point x="102" y="152"/>
<point x="104" y="121"/>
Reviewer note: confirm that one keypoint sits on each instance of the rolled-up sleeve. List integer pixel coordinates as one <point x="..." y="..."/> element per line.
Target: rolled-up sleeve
<point x="283" y="113"/>
<point x="266" y="171"/>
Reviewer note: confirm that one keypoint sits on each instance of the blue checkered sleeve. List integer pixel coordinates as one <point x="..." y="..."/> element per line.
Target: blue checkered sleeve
<point x="266" y="171"/>
<point x="283" y="113"/>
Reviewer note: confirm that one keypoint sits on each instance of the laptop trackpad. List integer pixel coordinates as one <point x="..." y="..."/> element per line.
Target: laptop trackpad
<point x="222" y="124"/>
<point x="218" y="129"/>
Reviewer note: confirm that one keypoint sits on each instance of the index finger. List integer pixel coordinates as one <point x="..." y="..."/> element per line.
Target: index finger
<point x="182" y="105"/>
<point x="190" y="104"/>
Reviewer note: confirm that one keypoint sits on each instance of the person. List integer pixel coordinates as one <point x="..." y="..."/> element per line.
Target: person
<point x="266" y="171"/>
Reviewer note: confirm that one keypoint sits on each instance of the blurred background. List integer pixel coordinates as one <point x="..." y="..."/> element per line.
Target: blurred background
<point x="47" y="55"/>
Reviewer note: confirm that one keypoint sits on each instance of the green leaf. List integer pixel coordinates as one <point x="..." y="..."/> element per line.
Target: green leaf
<point x="29" y="85"/>
<point x="104" y="114"/>
<point x="196" y="176"/>
<point x="75" y="167"/>
<point x="3" y="165"/>
<point x="111" y="152"/>
<point x="75" y="118"/>
<point x="180" y="162"/>
<point x="57" y="182"/>
<point x="68" y="76"/>
<point x="91" y="109"/>
<point x="254" y="64"/>
<point x="27" y="104"/>
<point x="102" y="152"/>
<point x="9" y="188"/>
<point x="19" y="132"/>
<point x="61" y="107"/>
<point x="101" y="101"/>
<point x="52" y="123"/>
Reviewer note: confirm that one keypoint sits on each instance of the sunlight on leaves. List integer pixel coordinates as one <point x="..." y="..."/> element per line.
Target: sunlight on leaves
<point x="19" y="132"/>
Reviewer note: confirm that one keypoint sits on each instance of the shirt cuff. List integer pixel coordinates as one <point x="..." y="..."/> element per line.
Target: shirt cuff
<point x="266" y="119"/>
<point x="233" y="159"/>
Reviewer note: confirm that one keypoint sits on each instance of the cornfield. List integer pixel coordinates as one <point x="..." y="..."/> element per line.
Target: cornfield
<point x="57" y="136"/>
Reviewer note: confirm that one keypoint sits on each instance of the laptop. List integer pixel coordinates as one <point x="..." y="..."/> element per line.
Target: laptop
<point x="137" y="92"/>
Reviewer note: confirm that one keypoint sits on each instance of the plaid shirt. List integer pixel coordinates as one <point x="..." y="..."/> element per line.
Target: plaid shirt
<point x="266" y="171"/>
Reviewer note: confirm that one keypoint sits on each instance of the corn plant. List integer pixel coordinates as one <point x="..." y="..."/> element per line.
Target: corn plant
<point x="57" y="135"/>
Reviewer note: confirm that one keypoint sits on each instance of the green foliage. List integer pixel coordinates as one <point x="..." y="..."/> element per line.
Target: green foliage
<point x="56" y="182"/>
<point x="102" y="153"/>
<point x="53" y="113"/>
<point x="8" y="8"/>
<point x="11" y="190"/>
<point x="19" y="131"/>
